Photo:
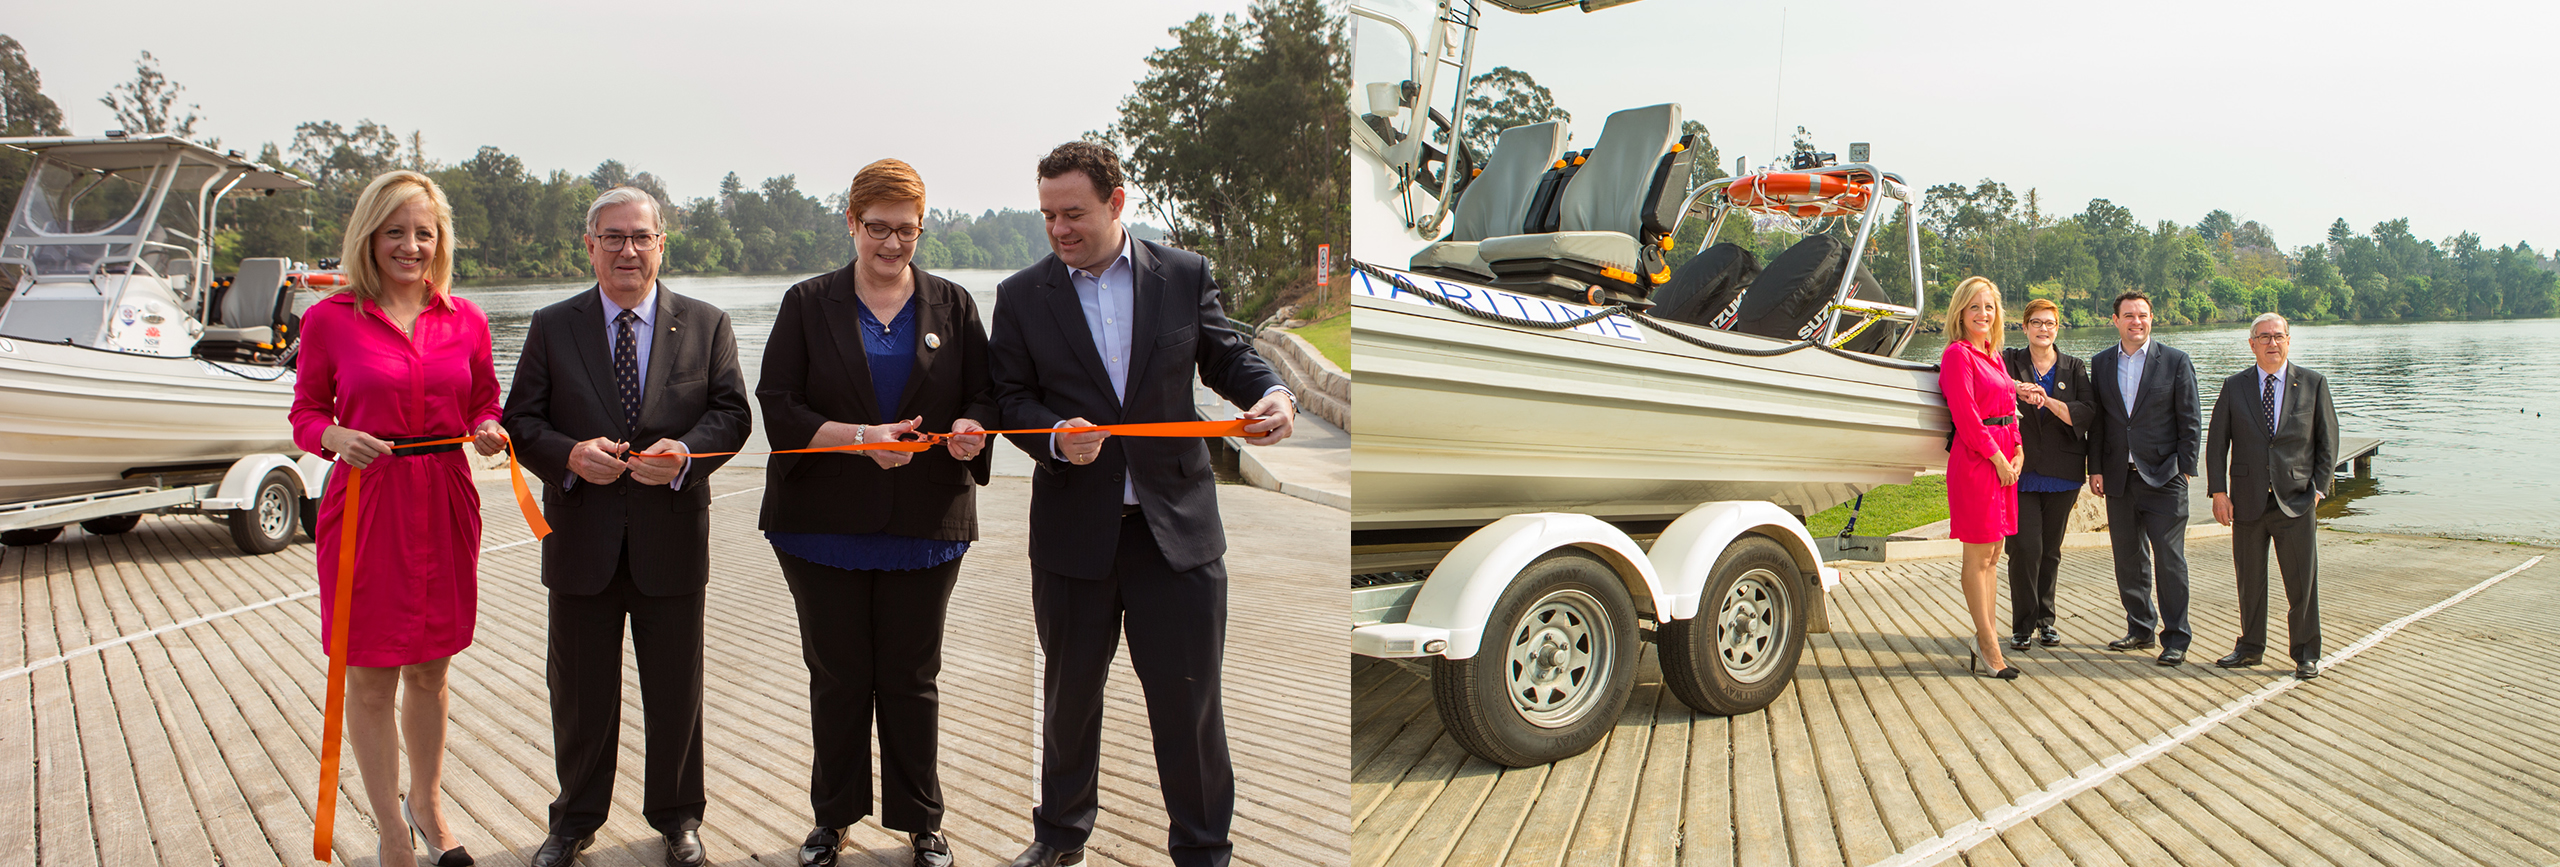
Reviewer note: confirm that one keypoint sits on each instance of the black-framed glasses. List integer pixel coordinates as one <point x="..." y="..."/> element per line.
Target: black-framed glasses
<point x="2042" y="323"/>
<point x="880" y="231"/>
<point x="2270" y="338"/>
<point x="642" y="242"/>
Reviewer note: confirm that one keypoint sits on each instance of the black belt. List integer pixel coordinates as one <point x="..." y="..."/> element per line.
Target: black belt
<point x="424" y="450"/>
<point x="2006" y="419"/>
<point x="1129" y="510"/>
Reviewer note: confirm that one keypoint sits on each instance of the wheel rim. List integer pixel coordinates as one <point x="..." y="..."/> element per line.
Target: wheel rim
<point x="274" y="518"/>
<point x="1558" y="662"/>
<point x="1749" y="634"/>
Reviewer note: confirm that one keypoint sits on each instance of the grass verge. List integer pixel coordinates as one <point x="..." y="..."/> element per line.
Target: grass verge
<point x="1890" y="509"/>
<point x="1331" y="336"/>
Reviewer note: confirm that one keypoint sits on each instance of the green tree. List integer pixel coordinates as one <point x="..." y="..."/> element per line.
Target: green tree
<point x="1504" y="98"/>
<point x="24" y="110"/>
<point x="149" y="103"/>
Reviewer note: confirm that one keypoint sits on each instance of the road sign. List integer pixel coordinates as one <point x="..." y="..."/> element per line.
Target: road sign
<point x="1324" y="264"/>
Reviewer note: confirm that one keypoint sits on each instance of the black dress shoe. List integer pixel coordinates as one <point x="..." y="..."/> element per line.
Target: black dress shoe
<point x="930" y="849"/>
<point x="684" y="848"/>
<point x="2018" y="641"/>
<point x="1044" y="855"/>
<point x="559" y="851"/>
<point x="2239" y="660"/>
<point x="2173" y="656"/>
<point x="2048" y="637"/>
<point x="2307" y="670"/>
<point x="819" y="849"/>
<point x="2132" y="642"/>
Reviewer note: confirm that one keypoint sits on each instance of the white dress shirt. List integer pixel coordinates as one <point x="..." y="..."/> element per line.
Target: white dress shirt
<point x="642" y="333"/>
<point x="2277" y="415"/>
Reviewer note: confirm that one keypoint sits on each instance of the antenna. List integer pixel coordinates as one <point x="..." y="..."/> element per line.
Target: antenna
<point x="1778" y="90"/>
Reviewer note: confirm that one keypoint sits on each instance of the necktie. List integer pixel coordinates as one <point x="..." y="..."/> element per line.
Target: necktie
<point x="2267" y="396"/>
<point x="626" y="369"/>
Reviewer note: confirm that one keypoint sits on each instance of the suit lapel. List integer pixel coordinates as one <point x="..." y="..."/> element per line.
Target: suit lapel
<point x="2150" y="368"/>
<point x="933" y="318"/>
<point x="586" y="333"/>
<point x="2294" y="409"/>
<point x="1147" y="296"/>
<point x="2110" y="388"/>
<point x="843" y="308"/>
<point x="662" y="350"/>
<point x="1060" y="293"/>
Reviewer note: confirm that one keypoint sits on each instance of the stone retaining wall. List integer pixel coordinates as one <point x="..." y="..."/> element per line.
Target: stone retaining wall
<point x="1322" y="388"/>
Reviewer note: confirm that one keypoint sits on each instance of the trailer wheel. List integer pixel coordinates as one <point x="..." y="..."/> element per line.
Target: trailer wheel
<point x="110" y="525"/>
<point x="1555" y="668"/>
<point x="311" y="518"/>
<point x="22" y="538"/>
<point x="267" y="525"/>
<point x="1740" y="652"/>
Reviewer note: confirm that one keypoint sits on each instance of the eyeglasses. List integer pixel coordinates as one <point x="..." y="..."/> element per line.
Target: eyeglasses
<point x="2269" y="338"/>
<point x="642" y="242"/>
<point x="881" y="231"/>
<point x="2042" y="323"/>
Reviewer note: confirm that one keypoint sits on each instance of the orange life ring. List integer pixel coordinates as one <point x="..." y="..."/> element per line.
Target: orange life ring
<point x="1800" y="194"/>
<point x="317" y="279"/>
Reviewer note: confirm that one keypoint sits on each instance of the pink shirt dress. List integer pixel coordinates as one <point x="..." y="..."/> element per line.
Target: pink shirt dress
<point x="418" y="544"/>
<point x="1980" y="509"/>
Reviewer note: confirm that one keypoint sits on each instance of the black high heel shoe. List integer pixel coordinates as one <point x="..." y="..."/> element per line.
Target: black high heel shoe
<point x="1973" y="665"/>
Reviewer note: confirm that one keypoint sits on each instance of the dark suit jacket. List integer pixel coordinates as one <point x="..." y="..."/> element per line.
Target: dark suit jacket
<point x="815" y="371"/>
<point x="1046" y="369"/>
<point x="2161" y="433"/>
<point x="2053" y="448"/>
<point x="2299" y="459"/>
<point x="564" y="394"/>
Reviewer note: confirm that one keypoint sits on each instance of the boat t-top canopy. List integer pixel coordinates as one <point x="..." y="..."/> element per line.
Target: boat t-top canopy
<point x="110" y="154"/>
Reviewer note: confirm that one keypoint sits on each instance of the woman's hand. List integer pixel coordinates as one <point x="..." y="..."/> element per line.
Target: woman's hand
<point x="490" y="439"/>
<point x="966" y="441"/>
<point x="357" y="448"/>
<point x="881" y="433"/>
<point x="2010" y="467"/>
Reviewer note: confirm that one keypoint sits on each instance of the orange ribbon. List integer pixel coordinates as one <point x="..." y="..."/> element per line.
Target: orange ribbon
<point x="335" y="714"/>
<point x="1226" y="428"/>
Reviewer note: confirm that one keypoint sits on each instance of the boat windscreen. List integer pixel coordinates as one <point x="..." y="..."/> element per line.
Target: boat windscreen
<point x="63" y="200"/>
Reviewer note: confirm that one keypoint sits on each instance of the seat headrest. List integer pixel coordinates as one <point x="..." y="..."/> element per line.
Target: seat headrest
<point x="1607" y="195"/>
<point x="1496" y="203"/>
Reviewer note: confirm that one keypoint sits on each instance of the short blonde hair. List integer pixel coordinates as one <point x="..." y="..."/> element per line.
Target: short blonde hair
<point x="1963" y="298"/>
<point x="387" y="194"/>
<point x="887" y="180"/>
<point x="2041" y="304"/>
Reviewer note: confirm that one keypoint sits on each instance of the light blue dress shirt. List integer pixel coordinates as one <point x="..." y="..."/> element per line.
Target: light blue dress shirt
<point x="642" y="333"/>
<point x="2279" y="375"/>
<point x="2129" y="380"/>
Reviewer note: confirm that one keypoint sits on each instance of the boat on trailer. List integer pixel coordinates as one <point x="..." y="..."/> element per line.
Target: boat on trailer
<point x="1561" y="437"/>
<point x="131" y="376"/>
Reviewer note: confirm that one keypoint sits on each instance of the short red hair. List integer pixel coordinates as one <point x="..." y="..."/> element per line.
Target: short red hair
<point x="887" y="180"/>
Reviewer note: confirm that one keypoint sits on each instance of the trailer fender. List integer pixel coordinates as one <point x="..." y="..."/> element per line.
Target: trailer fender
<point x="240" y="484"/>
<point x="315" y="474"/>
<point x="1686" y="552"/>
<point x="1463" y="589"/>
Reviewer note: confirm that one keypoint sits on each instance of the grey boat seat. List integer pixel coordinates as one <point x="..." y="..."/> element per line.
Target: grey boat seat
<point x="1610" y="217"/>
<point x="247" y="313"/>
<point x="1496" y="202"/>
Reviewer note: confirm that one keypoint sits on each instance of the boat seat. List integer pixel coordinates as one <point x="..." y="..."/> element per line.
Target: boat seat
<point x="1497" y="202"/>
<point x="1542" y="204"/>
<point x="248" y="311"/>
<point x="1602" y="214"/>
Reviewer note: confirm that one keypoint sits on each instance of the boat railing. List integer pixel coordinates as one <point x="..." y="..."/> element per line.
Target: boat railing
<point x="1706" y="202"/>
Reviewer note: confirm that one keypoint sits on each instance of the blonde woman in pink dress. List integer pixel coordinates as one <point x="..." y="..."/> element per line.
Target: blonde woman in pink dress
<point x="1984" y="460"/>
<point x="394" y="358"/>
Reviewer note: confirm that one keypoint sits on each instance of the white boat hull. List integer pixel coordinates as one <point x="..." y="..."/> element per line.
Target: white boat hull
<point x="1463" y="421"/>
<point x="74" y="420"/>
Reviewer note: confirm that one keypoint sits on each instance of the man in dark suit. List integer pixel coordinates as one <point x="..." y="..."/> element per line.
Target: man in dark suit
<point x="627" y="362"/>
<point x="1112" y="330"/>
<point x="2278" y="432"/>
<point x="2141" y="454"/>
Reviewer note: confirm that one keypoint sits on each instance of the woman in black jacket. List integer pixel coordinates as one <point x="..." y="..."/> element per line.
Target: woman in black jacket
<point x="871" y="541"/>
<point x="2056" y="406"/>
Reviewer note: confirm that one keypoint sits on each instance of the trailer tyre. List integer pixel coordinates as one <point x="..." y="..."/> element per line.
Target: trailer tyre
<point x="110" y="525"/>
<point x="266" y="526"/>
<point x="1740" y="652"/>
<point x="311" y="518"/>
<point x="1557" y="662"/>
<point x="22" y="538"/>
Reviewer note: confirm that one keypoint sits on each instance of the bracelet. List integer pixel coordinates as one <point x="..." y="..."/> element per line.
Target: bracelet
<point x="859" y="431"/>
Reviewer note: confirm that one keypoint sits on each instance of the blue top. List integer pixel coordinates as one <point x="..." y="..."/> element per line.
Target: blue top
<point x="2030" y="481"/>
<point x="890" y="350"/>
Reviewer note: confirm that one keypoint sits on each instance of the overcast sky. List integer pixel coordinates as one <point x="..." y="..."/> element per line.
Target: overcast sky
<point x="2292" y="114"/>
<point x="972" y="93"/>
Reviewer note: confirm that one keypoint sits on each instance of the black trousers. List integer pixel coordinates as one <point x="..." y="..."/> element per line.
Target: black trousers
<point x="873" y="641"/>
<point x="1177" y="627"/>
<point x="2035" y="557"/>
<point x="2145" y="524"/>
<point x="2298" y="554"/>
<point x="586" y="703"/>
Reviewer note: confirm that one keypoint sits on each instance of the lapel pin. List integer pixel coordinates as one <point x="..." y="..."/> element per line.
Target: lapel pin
<point x="932" y="341"/>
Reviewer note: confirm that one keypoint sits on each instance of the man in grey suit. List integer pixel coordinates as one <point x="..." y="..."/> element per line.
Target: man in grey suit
<point x="2278" y="431"/>
<point x="2141" y="453"/>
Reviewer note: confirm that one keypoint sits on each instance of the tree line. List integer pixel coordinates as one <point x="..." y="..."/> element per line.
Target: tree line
<point x="2218" y="269"/>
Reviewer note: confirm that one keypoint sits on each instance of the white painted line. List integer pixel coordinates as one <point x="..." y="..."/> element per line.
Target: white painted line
<point x="32" y="667"/>
<point x="1944" y="847"/>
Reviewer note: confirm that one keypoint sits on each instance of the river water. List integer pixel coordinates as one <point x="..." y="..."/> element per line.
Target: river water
<point x="2469" y="415"/>
<point x="750" y="301"/>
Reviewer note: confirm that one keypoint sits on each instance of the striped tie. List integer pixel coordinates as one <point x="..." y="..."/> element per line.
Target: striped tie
<point x="626" y="369"/>
<point x="2267" y="396"/>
